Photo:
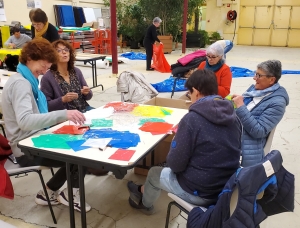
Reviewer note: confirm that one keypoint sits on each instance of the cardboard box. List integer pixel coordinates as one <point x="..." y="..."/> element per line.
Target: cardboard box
<point x="162" y="149"/>
<point x="93" y="24"/>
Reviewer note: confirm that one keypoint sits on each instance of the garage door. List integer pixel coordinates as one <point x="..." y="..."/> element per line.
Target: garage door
<point x="269" y="23"/>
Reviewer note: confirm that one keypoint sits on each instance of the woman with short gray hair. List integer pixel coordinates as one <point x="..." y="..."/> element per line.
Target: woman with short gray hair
<point x="149" y="40"/>
<point x="260" y="109"/>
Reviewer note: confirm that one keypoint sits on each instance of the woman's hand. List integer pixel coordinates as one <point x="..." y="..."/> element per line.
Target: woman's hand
<point x="238" y="100"/>
<point x="85" y="90"/>
<point x="69" y="97"/>
<point x="75" y="116"/>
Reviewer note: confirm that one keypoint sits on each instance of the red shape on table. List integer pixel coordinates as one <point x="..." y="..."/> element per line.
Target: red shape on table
<point x="122" y="155"/>
<point x="156" y="128"/>
<point x="72" y="130"/>
<point x="121" y="106"/>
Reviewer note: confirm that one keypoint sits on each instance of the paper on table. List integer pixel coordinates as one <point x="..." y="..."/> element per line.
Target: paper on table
<point x="98" y="143"/>
<point x="99" y="113"/>
<point x="122" y="155"/>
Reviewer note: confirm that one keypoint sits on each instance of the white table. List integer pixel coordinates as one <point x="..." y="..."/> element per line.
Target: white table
<point x="94" y="158"/>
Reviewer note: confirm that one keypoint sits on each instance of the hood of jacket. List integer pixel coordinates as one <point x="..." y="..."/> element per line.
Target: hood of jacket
<point x="215" y="109"/>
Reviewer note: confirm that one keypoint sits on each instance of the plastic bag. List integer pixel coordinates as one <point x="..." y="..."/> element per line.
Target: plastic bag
<point x="167" y="85"/>
<point x="159" y="60"/>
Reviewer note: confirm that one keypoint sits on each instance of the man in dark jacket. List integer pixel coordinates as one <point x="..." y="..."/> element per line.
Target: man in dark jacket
<point x="204" y="153"/>
<point x="149" y="40"/>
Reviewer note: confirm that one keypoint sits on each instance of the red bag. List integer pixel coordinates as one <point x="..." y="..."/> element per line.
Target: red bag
<point x="159" y="60"/>
<point x="6" y="188"/>
<point x="72" y="130"/>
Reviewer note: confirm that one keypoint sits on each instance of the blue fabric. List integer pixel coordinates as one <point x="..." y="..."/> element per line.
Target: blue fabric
<point x="37" y="93"/>
<point x="134" y="55"/>
<point x="67" y="14"/>
<point x="215" y="67"/>
<point x="120" y="139"/>
<point x="259" y="122"/>
<point x="167" y="85"/>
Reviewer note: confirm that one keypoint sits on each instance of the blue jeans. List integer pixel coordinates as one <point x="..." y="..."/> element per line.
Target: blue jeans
<point x="227" y="49"/>
<point x="160" y="178"/>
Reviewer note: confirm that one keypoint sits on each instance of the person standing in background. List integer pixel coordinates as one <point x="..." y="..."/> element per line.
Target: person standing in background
<point x="41" y="27"/>
<point x="149" y="40"/>
<point x="226" y="44"/>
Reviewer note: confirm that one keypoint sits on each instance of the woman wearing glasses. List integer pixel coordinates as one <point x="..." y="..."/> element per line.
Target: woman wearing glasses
<point x="64" y="85"/>
<point x="260" y="109"/>
<point x="41" y="27"/>
<point x="216" y="63"/>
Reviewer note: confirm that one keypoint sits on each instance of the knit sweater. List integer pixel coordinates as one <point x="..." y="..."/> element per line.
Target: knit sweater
<point x="205" y="151"/>
<point x="53" y="93"/>
<point x="21" y="114"/>
<point x="224" y="78"/>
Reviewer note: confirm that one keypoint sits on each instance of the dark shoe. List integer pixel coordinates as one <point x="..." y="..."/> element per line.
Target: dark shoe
<point x="141" y="207"/>
<point x="134" y="192"/>
<point x="150" y="69"/>
<point x="97" y="172"/>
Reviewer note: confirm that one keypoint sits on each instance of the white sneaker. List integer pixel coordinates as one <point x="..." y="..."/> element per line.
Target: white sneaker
<point x="41" y="199"/>
<point x="63" y="198"/>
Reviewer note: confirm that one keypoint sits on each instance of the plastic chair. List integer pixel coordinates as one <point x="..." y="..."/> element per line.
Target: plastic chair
<point x="16" y="170"/>
<point x="268" y="144"/>
<point x="187" y="207"/>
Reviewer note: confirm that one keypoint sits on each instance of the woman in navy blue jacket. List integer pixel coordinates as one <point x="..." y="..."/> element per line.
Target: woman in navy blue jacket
<point x="260" y="109"/>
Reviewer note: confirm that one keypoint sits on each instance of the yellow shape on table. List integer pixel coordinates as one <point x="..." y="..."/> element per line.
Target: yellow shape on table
<point x="6" y="51"/>
<point x="151" y="111"/>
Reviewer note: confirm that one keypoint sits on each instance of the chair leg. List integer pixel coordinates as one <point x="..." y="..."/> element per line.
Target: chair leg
<point x="47" y="196"/>
<point x="2" y="128"/>
<point x="52" y="171"/>
<point x="169" y="211"/>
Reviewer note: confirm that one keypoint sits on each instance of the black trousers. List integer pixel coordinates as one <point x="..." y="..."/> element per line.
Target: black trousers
<point x="60" y="177"/>
<point x="149" y="52"/>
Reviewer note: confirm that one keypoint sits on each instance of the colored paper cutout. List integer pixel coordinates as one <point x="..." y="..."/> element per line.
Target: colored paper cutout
<point x="72" y="130"/>
<point x="120" y="139"/>
<point x="98" y="143"/>
<point x="151" y="111"/>
<point x="102" y="123"/>
<point x="77" y="145"/>
<point x="142" y="121"/>
<point x="121" y="106"/>
<point x="122" y="155"/>
<point x="156" y="127"/>
<point x="54" y="141"/>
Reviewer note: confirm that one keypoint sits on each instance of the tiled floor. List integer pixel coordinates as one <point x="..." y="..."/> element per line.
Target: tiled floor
<point x="108" y="196"/>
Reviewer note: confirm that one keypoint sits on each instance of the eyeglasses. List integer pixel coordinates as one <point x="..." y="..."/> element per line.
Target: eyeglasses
<point x="37" y="24"/>
<point x="211" y="57"/>
<point x="59" y="50"/>
<point x="257" y="75"/>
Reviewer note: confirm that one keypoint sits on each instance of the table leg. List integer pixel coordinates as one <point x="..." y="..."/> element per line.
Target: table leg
<point x="82" y="196"/>
<point x="70" y="195"/>
<point x="94" y="68"/>
<point x="94" y="84"/>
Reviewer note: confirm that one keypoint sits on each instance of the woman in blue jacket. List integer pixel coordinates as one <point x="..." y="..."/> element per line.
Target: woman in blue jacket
<point x="260" y="109"/>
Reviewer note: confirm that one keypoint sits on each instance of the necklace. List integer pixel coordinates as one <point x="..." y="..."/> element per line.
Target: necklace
<point x="64" y="75"/>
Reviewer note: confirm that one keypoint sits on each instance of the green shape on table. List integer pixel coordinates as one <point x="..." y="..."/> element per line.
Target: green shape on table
<point x="145" y="120"/>
<point x="102" y="123"/>
<point x="54" y="141"/>
<point x="166" y="112"/>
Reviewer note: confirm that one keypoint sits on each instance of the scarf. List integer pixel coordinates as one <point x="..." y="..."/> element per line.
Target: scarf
<point x="215" y="67"/>
<point x="37" y="93"/>
<point x="249" y="95"/>
<point x="39" y="34"/>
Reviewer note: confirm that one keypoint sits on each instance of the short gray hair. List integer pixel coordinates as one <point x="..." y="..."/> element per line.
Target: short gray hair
<point x="272" y="68"/>
<point x="157" y="20"/>
<point x="216" y="49"/>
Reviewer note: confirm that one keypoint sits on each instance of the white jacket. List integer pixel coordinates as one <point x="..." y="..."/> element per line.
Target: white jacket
<point x="134" y="87"/>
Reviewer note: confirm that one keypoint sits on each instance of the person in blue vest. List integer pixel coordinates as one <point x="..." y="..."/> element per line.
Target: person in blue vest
<point x="260" y="109"/>
<point x="204" y="153"/>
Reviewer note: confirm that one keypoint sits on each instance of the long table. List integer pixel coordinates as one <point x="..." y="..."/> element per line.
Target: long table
<point x="94" y="158"/>
<point x="91" y="59"/>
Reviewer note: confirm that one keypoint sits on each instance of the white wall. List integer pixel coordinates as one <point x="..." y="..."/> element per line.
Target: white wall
<point x="16" y="10"/>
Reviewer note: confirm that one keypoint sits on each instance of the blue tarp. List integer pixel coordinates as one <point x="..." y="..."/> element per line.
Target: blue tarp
<point x="167" y="85"/>
<point x="134" y="55"/>
<point x="244" y="72"/>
